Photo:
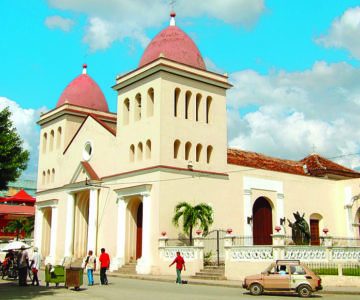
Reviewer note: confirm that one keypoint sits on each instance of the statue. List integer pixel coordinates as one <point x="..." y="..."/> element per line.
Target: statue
<point x="300" y="230"/>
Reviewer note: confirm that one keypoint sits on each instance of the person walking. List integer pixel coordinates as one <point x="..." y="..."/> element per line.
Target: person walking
<point x="104" y="265"/>
<point x="23" y="265"/>
<point x="90" y="266"/>
<point x="35" y="265"/>
<point x="179" y="266"/>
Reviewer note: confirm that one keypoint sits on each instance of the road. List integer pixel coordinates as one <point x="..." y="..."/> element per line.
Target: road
<point x="129" y="289"/>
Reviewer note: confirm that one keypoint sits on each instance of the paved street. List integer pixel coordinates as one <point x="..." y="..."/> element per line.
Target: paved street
<point x="124" y="288"/>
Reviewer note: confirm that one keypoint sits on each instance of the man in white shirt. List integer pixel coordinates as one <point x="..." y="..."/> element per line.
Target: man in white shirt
<point x="35" y="265"/>
<point x="90" y="266"/>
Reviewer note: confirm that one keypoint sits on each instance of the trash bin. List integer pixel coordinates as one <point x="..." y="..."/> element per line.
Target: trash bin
<point x="74" y="278"/>
<point x="56" y="276"/>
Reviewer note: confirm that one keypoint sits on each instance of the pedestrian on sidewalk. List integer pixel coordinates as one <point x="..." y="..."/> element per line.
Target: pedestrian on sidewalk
<point x="104" y="265"/>
<point x="90" y="267"/>
<point x="179" y="266"/>
<point x="23" y="265"/>
<point x="35" y="265"/>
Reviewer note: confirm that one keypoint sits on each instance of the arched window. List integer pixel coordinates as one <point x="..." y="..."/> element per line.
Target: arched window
<point x="126" y="111"/>
<point x="140" y="151"/>
<point x="176" y="148"/>
<point x="187" y="150"/>
<point x="208" y="153"/>
<point x="176" y="102"/>
<point x="150" y="102"/>
<point x="51" y="146"/>
<point x="43" y="177"/>
<point x="208" y="109"/>
<point x="53" y="175"/>
<point x="148" y="149"/>
<point x="188" y="112"/>
<point x="58" y="138"/>
<point x="198" y="152"/>
<point x="48" y="177"/>
<point x="198" y="106"/>
<point x="137" y="110"/>
<point x="132" y="153"/>
<point x="44" y="142"/>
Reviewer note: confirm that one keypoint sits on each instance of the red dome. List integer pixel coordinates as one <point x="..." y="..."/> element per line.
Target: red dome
<point x="176" y="45"/>
<point x="83" y="91"/>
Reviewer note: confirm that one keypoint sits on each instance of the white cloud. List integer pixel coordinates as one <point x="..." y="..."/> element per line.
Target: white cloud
<point x="344" y="32"/>
<point x="114" y="20"/>
<point x="64" y="24"/>
<point x="24" y="120"/>
<point x="285" y="114"/>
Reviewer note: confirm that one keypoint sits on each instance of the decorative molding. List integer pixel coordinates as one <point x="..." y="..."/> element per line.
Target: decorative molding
<point x="247" y="192"/>
<point x="253" y="253"/>
<point x="143" y="190"/>
<point x="345" y="253"/>
<point x="280" y="196"/>
<point x="305" y="253"/>
<point x="47" y="203"/>
<point x="188" y="253"/>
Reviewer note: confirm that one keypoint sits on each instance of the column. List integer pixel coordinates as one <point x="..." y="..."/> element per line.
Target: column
<point x="53" y="232"/>
<point x="70" y="221"/>
<point x="279" y="208"/>
<point x="92" y="224"/>
<point x="247" y="213"/>
<point x="348" y="207"/>
<point x="119" y="261"/>
<point x="144" y="263"/>
<point x="38" y="223"/>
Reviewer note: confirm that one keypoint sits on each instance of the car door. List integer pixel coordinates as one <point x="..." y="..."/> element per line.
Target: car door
<point x="276" y="282"/>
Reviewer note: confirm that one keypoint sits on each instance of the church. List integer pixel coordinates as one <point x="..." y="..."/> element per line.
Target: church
<point x="112" y="180"/>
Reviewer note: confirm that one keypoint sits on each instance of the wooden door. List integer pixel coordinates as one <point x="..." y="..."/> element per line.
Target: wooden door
<point x="314" y="231"/>
<point x="262" y="222"/>
<point x="139" y="221"/>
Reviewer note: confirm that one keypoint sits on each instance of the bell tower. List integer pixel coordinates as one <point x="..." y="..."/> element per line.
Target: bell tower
<point x="171" y="110"/>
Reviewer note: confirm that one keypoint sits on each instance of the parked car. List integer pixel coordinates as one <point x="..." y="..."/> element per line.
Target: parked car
<point x="284" y="276"/>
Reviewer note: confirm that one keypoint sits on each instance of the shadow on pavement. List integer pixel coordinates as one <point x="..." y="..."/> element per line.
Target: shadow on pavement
<point x="10" y="289"/>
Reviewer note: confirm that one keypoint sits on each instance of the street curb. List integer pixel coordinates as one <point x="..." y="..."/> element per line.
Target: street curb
<point x="207" y="283"/>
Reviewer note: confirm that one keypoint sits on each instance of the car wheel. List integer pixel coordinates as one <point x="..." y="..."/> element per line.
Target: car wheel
<point x="304" y="291"/>
<point x="256" y="289"/>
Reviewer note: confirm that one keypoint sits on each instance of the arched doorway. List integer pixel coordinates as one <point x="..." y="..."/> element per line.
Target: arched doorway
<point x="315" y="229"/>
<point x="262" y="222"/>
<point x="81" y="224"/>
<point x="46" y="232"/>
<point x="139" y="221"/>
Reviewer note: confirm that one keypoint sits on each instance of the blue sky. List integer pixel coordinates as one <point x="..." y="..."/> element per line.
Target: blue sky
<point x="294" y="64"/>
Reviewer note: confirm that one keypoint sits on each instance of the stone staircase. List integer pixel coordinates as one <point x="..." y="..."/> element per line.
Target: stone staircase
<point x="211" y="273"/>
<point x="128" y="268"/>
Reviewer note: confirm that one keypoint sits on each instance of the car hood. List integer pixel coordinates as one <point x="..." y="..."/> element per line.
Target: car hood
<point x="254" y="277"/>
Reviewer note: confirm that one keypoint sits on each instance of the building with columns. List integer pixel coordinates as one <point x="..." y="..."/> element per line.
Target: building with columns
<point x="112" y="180"/>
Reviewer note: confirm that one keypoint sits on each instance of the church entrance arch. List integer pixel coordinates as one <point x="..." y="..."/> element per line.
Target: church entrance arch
<point x="81" y="223"/>
<point x="46" y="232"/>
<point x="134" y="229"/>
<point x="357" y="226"/>
<point x="262" y="222"/>
<point x="139" y="224"/>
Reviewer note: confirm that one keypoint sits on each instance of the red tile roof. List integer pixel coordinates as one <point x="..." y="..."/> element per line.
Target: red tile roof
<point x="17" y="209"/>
<point x="260" y="161"/>
<point x="316" y="165"/>
<point x="21" y="196"/>
<point x="320" y="166"/>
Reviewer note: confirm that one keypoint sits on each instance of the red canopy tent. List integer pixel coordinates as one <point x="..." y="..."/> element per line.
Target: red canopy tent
<point x="19" y="198"/>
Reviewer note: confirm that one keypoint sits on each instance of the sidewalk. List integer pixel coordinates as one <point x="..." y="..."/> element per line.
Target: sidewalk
<point x="342" y="290"/>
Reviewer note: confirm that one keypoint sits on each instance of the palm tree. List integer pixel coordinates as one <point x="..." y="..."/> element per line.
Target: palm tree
<point x="26" y="225"/>
<point x="192" y="215"/>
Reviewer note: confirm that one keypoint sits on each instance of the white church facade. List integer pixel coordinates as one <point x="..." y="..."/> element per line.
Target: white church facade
<point x="112" y="180"/>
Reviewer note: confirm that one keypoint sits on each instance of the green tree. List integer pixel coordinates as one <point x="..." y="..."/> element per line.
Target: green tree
<point x="13" y="158"/>
<point x="17" y="226"/>
<point x="192" y="216"/>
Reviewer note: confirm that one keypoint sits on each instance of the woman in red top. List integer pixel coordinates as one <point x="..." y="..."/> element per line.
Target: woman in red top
<point x="104" y="265"/>
<point x="179" y="265"/>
